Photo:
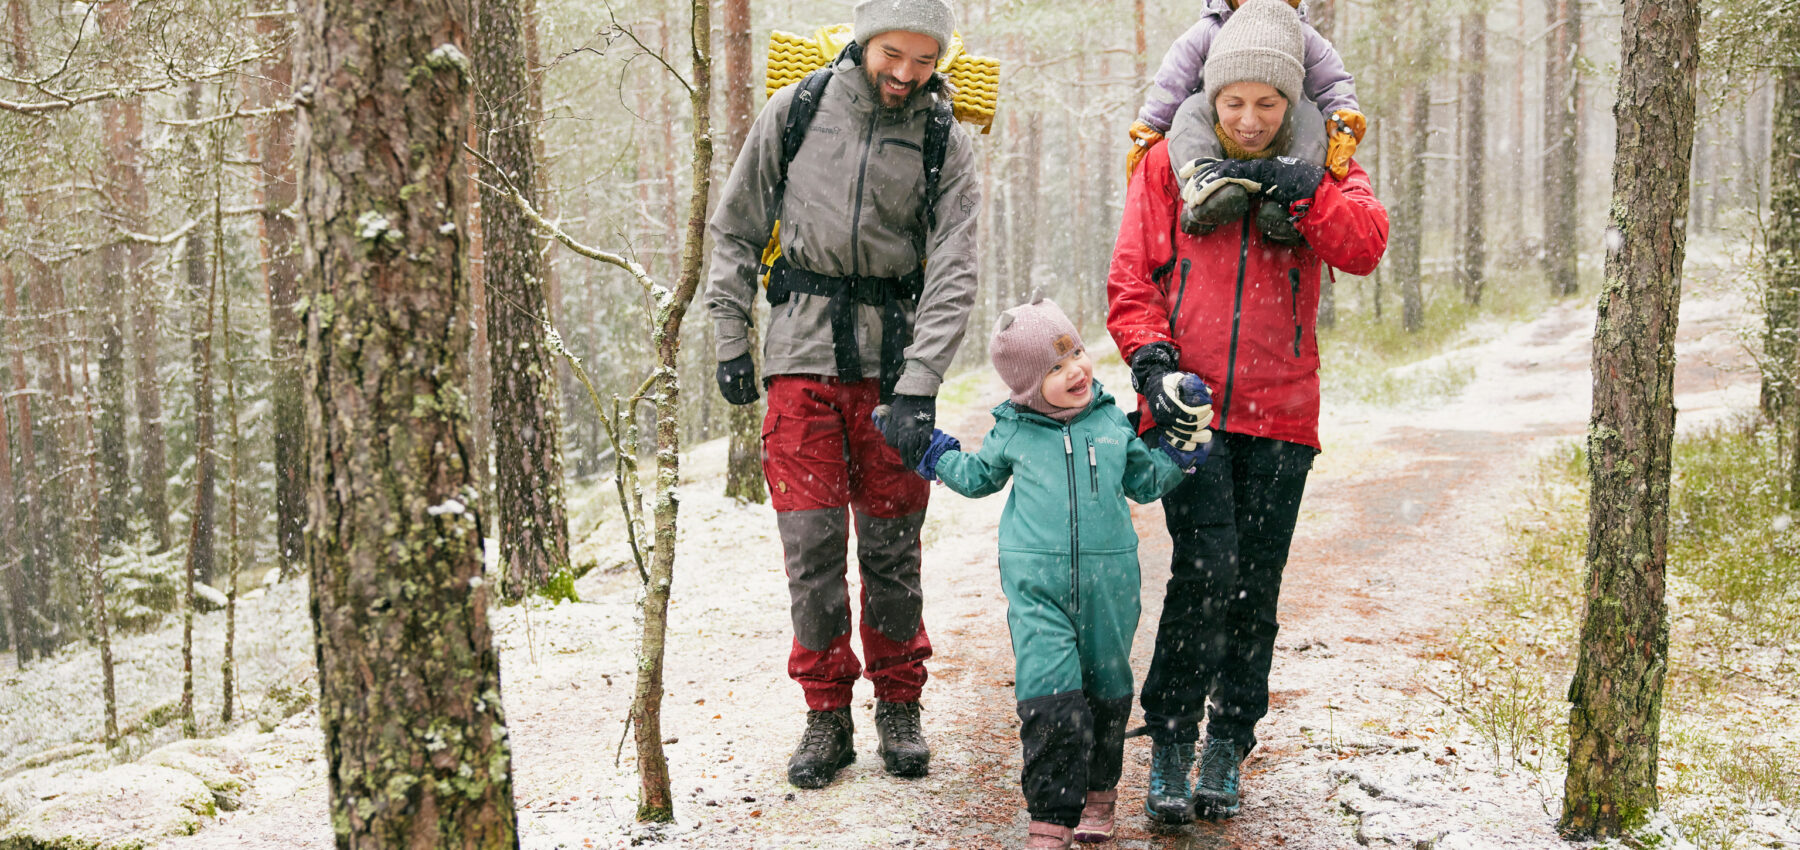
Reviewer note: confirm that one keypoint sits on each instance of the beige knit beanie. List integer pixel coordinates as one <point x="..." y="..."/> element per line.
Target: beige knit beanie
<point x="934" y="18"/>
<point x="1262" y="42"/>
<point x="1027" y="341"/>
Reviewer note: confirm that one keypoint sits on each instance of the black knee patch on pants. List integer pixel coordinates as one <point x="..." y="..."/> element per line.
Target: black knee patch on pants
<point x="816" y="545"/>
<point x="1058" y="734"/>
<point x="888" y="550"/>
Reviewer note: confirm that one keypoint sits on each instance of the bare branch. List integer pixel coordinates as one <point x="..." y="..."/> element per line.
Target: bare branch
<point x="233" y="115"/>
<point x="660" y="59"/>
<point x="550" y="228"/>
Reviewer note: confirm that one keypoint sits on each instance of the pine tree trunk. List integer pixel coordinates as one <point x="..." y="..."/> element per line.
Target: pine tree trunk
<point x="1474" y="161"/>
<point x="528" y="477"/>
<point x="743" y="468"/>
<point x="200" y="529"/>
<point x="480" y="354"/>
<point x="415" y="736"/>
<point x="1616" y="695"/>
<point x="1140" y="47"/>
<point x="1410" y="223"/>
<point x="235" y="544"/>
<point x="1562" y="150"/>
<point x="200" y="294"/>
<point x="281" y="280"/>
<point x="19" y="493"/>
<point x="98" y="616"/>
<point x="124" y="122"/>
<point x="1782" y="300"/>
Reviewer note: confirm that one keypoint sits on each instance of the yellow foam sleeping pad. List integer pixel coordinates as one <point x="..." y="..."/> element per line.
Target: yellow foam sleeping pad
<point x="976" y="79"/>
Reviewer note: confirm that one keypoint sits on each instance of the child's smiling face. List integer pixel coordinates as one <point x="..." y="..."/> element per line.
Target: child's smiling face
<point x="1071" y="381"/>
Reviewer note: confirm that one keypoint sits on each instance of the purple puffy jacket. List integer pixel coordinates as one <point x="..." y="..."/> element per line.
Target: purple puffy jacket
<point x="1327" y="83"/>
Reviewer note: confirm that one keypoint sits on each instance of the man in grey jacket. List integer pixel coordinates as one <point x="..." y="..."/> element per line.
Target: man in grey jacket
<point x="869" y="298"/>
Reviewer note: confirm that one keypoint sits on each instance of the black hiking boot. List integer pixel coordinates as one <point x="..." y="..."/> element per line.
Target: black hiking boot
<point x="903" y="749"/>
<point x="826" y="746"/>
<point x="1217" y="796"/>
<point x="1169" y="803"/>
<point x="1226" y="204"/>
<point x="1273" y="221"/>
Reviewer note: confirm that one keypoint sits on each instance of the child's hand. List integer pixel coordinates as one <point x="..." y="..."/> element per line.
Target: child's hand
<point x="940" y="443"/>
<point x="1142" y="137"/>
<point x="1345" y="129"/>
<point x="1187" y="454"/>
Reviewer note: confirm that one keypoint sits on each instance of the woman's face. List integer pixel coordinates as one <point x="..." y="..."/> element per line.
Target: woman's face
<point x="1251" y="114"/>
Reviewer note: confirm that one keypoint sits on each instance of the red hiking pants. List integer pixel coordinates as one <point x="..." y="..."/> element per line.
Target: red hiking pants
<point x="822" y="454"/>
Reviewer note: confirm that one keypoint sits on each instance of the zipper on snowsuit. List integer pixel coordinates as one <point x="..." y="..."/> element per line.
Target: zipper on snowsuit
<point x="1237" y="316"/>
<point x="1093" y="468"/>
<point x="1294" y="283"/>
<point x="1074" y="527"/>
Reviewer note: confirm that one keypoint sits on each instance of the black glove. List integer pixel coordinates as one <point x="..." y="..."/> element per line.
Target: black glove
<point x="737" y="380"/>
<point x="908" y="427"/>
<point x="1148" y="366"/>
<point x="1181" y="402"/>
<point x="1284" y="179"/>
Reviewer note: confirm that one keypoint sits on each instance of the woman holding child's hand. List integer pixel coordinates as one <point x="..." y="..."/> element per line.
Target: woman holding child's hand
<point x="1235" y="302"/>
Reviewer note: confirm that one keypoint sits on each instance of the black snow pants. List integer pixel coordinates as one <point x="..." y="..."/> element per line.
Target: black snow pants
<point x="1073" y="744"/>
<point x="1231" y="524"/>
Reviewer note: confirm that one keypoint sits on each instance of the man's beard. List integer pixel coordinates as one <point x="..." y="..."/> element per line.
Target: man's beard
<point x="888" y="101"/>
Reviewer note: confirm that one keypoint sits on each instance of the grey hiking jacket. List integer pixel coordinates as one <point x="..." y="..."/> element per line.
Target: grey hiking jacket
<point x="853" y="206"/>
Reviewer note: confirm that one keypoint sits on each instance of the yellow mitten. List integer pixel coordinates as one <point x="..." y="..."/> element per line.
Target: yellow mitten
<point x="1142" y="137"/>
<point x="1346" y="128"/>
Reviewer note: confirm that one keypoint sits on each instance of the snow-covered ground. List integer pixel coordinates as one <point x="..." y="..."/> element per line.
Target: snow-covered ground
<point x="1404" y="518"/>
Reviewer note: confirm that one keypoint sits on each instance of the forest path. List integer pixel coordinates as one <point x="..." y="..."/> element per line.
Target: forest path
<point x="1404" y="516"/>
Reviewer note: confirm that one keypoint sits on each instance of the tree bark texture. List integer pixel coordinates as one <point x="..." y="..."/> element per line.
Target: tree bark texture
<point x="1473" y="268"/>
<point x="1410" y="224"/>
<point x="743" y="465"/>
<point x="19" y="492"/>
<point x="1616" y="696"/>
<point x="655" y="800"/>
<point x="1562" y="148"/>
<point x="98" y="616"/>
<point x="200" y="348"/>
<point x="1782" y="297"/>
<point x="281" y="282"/>
<point x="126" y="278"/>
<point x="415" y="737"/>
<point x="235" y="544"/>
<point x="528" y="475"/>
<point x="201" y="291"/>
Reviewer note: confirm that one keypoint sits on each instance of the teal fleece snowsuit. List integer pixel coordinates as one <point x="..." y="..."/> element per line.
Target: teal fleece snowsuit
<point x="1069" y="566"/>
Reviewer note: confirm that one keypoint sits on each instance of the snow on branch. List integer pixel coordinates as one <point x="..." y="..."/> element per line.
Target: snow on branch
<point x="233" y="115"/>
<point x="638" y="272"/>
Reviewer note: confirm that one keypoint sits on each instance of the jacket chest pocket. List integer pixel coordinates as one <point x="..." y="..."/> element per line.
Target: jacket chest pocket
<point x="895" y="181"/>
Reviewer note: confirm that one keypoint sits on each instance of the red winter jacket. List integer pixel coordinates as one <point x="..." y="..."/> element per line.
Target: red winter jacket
<point x="1241" y="311"/>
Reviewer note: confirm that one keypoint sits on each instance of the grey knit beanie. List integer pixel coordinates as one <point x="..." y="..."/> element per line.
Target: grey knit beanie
<point x="925" y="17"/>
<point x="1027" y="341"/>
<point x="1261" y="42"/>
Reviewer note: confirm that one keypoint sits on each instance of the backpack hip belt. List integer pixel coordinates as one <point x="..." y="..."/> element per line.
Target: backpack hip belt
<point x="894" y="295"/>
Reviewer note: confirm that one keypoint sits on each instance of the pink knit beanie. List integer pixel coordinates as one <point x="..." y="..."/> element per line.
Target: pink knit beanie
<point x="1027" y="341"/>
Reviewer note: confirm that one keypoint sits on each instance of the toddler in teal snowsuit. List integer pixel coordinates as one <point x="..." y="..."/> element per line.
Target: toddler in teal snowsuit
<point x="1068" y="559"/>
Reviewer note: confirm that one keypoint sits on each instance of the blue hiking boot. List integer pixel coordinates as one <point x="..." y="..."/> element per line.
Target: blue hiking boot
<point x="1217" y="796"/>
<point x="1170" y="801"/>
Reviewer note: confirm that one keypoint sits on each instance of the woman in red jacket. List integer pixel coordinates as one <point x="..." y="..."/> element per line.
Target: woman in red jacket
<point x="1237" y="306"/>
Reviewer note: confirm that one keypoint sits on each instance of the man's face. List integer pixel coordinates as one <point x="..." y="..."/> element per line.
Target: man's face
<point x="898" y="63"/>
